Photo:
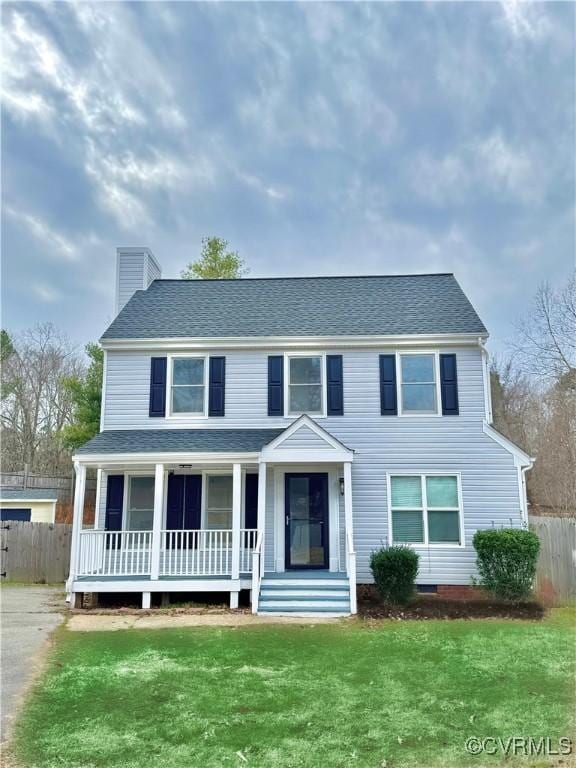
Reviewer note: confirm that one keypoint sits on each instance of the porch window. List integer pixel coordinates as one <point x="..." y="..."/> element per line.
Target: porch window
<point x="188" y="385"/>
<point x="140" y="510"/>
<point x="305" y="385"/>
<point x="418" y="384"/>
<point x="425" y="509"/>
<point x="218" y="502"/>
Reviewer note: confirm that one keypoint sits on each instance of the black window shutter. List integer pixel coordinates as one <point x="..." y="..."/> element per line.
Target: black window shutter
<point x="388" y="397"/>
<point x="449" y="385"/>
<point x="250" y="506"/>
<point x="216" y="386"/>
<point x="175" y="502"/>
<point x="193" y="502"/>
<point x="276" y="385"/>
<point x="334" y="385"/>
<point x="114" y="502"/>
<point x="251" y="502"/>
<point x="157" y="386"/>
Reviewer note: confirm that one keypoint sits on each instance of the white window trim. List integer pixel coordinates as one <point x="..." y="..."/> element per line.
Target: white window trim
<point x="422" y="474"/>
<point x="169" y="376"/>
<point x="413" y="414"/>
<point x="287" y="413"/>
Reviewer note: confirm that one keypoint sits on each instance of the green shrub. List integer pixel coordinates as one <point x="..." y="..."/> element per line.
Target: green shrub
<point x="506" y="561"/>
<point x="394" y="570"/>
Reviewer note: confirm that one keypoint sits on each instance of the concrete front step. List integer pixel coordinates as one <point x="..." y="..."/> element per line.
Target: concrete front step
<point x="305" y="583"/>
<point x="304" y="605"/>
<point x="316" y="593"/>
<point x="294" y="594"/>
<point x="306" y="614"/>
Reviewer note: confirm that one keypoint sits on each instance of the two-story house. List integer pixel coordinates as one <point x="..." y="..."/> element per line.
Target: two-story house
<point x="269" y="434"/>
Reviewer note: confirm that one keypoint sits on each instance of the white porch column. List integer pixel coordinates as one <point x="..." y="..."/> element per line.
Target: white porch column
<point x="157" y="521"/>
<point x="262" y="474"/>
<point x="348" y="496"/>
<point x="236" y="515"/>
<point x="350" y="552"/>
<point x="79" y="493"/>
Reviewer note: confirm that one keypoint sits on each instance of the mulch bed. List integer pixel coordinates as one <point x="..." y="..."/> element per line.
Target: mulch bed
<point x="370" y="606"/>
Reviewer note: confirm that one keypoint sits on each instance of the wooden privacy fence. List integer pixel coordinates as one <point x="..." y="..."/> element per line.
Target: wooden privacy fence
<point x="556" y="574"/>
<point x="62" y="486"/>
<point x="37" y="553"/>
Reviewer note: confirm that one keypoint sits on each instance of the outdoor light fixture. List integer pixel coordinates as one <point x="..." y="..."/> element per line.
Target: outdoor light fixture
<point x="341" y="486"/>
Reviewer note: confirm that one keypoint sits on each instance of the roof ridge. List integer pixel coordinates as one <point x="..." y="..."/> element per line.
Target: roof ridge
<point x="298" y="277"/>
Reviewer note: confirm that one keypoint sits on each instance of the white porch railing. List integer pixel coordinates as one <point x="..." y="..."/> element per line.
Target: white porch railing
<point x="114" y="553"/>
<point x="185" y="554"/>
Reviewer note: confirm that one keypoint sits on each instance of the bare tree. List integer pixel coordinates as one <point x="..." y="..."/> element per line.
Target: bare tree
<point x="545" y="344"/>
<point x="35" y="404"/>
<point x="534" y="396"/>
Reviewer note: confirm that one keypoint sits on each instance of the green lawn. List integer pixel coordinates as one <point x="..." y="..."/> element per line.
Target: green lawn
<point x="352" y="694"/>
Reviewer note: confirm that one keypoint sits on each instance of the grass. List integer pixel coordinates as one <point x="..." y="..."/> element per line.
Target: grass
<point x="354" y="694"/>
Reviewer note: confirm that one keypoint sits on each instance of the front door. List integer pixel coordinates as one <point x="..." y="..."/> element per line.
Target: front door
<point x="306" y="505"/>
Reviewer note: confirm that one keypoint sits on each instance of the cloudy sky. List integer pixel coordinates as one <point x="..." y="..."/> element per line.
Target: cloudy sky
<point x="321" y="138"/>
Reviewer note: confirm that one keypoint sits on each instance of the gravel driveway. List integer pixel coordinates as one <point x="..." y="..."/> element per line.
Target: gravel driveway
<point x="28" y="615"/>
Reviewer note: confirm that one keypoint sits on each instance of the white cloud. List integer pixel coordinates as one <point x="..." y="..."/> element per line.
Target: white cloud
<point x="25" y="105"/>
<point x="526" y="19"/>
<point x="489" y="164"/>
<point x="45" y="293"/>
<point x="271" y="191"/>
<point x="508" y="168"/>
<point x="48" y="236"/>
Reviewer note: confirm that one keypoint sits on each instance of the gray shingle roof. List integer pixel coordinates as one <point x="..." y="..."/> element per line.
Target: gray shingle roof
<point x="27" y="494"/>
<point x="305" y="306"/>
<point x="179" y="440"/>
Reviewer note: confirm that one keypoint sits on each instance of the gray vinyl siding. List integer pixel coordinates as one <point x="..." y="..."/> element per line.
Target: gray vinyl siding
<point x="130" y="276"/>
<point x="152" y="271"/>
<point x="382" y="444"/>
<point x="303" y="439"/>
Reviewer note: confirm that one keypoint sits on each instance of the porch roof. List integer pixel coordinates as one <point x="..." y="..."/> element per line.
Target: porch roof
<point x="160" y="441"/>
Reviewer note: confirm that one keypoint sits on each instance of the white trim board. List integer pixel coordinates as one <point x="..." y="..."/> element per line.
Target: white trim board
<point x="280" y="513"/>
<point x="110" y="460"/>
<point x="305" y="421"/>
<point x="294" y="342"/>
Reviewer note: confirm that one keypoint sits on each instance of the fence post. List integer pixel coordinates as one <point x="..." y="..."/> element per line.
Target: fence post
<point x="25" y="478"/>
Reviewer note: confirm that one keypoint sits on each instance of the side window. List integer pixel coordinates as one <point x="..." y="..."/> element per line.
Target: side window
<point x="425" y="509"/>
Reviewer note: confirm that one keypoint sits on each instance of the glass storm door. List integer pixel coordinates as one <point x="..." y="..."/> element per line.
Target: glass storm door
<point x="306" y="506"/>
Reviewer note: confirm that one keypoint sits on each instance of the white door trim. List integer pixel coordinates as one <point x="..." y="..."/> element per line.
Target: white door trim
<point x="333" y="513"/>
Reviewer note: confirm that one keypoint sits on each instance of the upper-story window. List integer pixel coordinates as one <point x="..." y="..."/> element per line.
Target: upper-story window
<point x="418" y="383"/>
<point x="305" y="385"/>
<point x="188" y="386"/>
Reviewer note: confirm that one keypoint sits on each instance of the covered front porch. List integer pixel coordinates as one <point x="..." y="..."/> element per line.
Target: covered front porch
<point x="217" y="521"/>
